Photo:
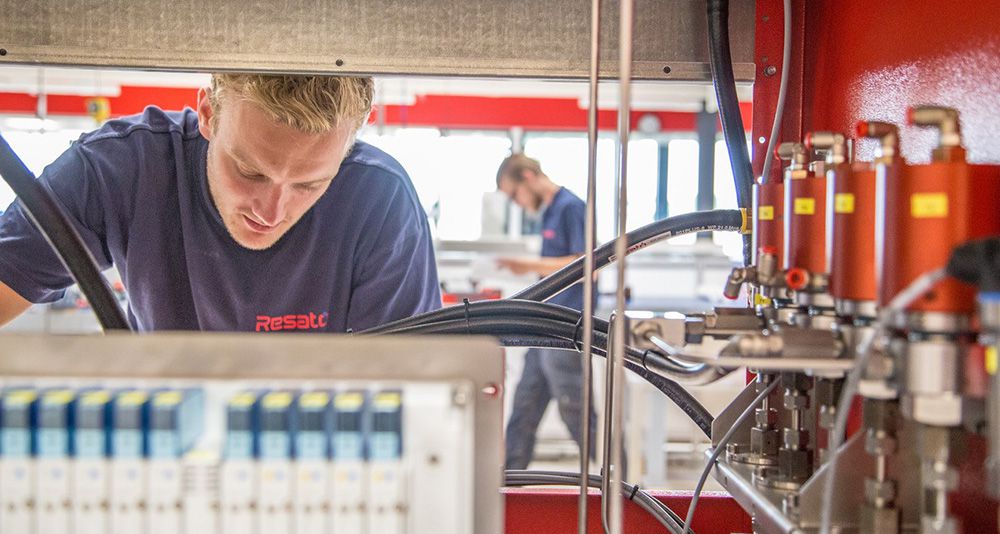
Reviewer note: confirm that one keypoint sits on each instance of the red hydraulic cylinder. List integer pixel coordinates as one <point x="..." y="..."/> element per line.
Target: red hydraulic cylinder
<point x="769" y="217"/>
<point x="929" y="209"/>
<point x="805" y="224"/>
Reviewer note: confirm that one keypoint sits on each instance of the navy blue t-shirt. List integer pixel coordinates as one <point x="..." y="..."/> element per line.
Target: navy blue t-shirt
<point x="563" y="230"/>
<point x="137" y="191"/>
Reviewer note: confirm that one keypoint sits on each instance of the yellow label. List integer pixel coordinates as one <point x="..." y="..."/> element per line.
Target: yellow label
<point x="765" y="213"/>
<point x="991" y="360"/>
<point x="348" y="401"/>
<point x="387" y="399"/>
<point x="929" y="205"/>
<point x="20" y="396"/>
<point x="96" y="397"/>
<point x="314" y="399"/>
<point x="805" y="206"/>
<point x="278" y="399"/>
<point x="761" y="300"/>
<point x="61" y="396"/>
<point x="843" y="203"/>
<point x="167" y="398"/>
<point x="132" y="398"/>
<point x="243" y="399"/>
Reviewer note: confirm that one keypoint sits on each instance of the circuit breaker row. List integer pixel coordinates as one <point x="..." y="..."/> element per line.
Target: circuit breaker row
<point x="115" y="461"/>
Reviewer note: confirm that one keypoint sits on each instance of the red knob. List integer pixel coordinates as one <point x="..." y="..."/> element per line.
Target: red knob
<point x="796" y="278"/>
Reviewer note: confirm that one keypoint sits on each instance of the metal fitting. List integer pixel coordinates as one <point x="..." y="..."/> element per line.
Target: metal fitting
<point x="766" y="418"/>
<point x="795" y="439"/>
<point x="833" y="144"/>
<point x="887" y="134"/>
<point x="795" y="464"/>
<point x="880" y="493"/>
<point x="933" y="382"/>
<point x="795" y="401"/>
<point x="764" y="441"/>
<point x="880" y="444"/>
<point x="798" y="160"/>
<point x="942" y="118"/>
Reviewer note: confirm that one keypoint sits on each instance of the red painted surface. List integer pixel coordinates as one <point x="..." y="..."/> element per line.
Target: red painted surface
<point x="440" y="111"/>
<point x="872" y="60"/>
<point x="554" y="511"/>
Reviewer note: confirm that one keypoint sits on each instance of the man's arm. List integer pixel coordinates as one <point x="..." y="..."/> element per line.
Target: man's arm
<point x="539" y="266"/>
<point x="11" y="304"/>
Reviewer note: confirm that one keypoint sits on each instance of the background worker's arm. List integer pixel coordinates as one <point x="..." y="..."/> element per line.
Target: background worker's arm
<point x="11" y="304"/>
<point x="539" y="266"/>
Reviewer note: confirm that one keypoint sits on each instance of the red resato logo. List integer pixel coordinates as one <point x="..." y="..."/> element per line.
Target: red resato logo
<point x="549" y="233"/>
<point x="302" y="321"/>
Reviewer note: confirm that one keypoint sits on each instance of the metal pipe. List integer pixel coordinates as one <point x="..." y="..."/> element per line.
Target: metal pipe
<point x="617" y="353"/>
<point x="590" y="242"/>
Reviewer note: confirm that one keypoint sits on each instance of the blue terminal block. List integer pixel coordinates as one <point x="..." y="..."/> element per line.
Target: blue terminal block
<point x="54" y="434"/>
<point x="18" y="417"/>
<point x="175" y="422"/>
<point x="92" y="437"/>
<point x="385" y="438"/>
<point x="242" y="425"/>
<point x="130" y="422"/>
<point x="315" y="422"/>
<point x="277" y="425"/>
<point x="349" y="425"/>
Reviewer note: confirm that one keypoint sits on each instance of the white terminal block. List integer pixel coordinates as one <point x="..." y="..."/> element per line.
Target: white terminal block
<point x="17" y="492"/>
<point x="313" y="490"/>
<point x="275" y="496"/>
<point x="387" y="497"/>
<point x="91" y="495"/>
<point x="53" y="494"/>
<point x="165" y="497"/>
<point x="201" y="493"/>
<point x="350" y="479"/>
<point x="128" y="495"/>
<point x="238" y="497"/>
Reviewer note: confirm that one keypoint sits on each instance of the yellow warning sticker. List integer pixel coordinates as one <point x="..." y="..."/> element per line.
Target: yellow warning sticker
<point x="843" y="203"/>
<point x="805" y="206"/>
<point x="991" y="360"/>
<point x="929" y="205"/>
<point x="765" y="213"/>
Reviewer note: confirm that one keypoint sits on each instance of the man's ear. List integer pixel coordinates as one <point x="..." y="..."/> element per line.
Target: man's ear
<point x="205" y="113"/>
<point x="527" y="175"/>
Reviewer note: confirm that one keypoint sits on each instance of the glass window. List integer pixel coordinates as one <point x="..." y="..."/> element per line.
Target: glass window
<point x="564" y="160"/>
<point x="451" y="173"/>
<point x="36" y="149"/>
<point x="725" y="198"/>
<point x="682" y="181"/>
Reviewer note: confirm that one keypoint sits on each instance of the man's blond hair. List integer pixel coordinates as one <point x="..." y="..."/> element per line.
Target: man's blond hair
<point x="312" y="104"/>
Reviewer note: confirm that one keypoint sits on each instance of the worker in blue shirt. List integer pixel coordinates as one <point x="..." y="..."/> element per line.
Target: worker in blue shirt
<point x="258" y="211"/>
<point x="548" y="374"/>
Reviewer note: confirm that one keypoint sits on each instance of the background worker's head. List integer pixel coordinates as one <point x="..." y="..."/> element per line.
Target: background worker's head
<point x="275" y="144"/>
<point x="521" y="178"/>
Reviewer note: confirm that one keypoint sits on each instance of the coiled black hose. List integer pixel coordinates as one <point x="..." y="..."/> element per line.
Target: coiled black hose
<point x="721" y="62"/>
<point x="51" y="220"/>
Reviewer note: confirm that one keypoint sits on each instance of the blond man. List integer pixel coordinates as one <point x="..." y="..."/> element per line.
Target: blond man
<point x="258" y="211"/>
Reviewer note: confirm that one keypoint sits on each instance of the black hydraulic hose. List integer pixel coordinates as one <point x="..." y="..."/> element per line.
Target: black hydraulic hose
<point x="490" y="308"/>
<point x="637" y="361"/>
<point x="51" y="220"/>
<point x="674" y="391"/>
<point x="700" y="221"/>
<point x="721" y="62"/>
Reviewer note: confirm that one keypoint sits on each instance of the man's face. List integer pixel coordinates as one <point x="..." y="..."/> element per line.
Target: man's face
<point x="264" y="176"/>
<point x="520" y="192"/>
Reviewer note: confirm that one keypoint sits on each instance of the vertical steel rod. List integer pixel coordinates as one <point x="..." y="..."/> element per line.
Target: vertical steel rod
<point x="590" y="241"/>
<point x="616" y="356"/>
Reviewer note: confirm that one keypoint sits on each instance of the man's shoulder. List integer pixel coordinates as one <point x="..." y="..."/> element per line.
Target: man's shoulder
<point x="364" y="156"/>
<point x="152" y="123"/>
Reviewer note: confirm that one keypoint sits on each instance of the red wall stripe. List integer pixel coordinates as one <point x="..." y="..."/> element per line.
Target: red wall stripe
<point x="441" y="111"/>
